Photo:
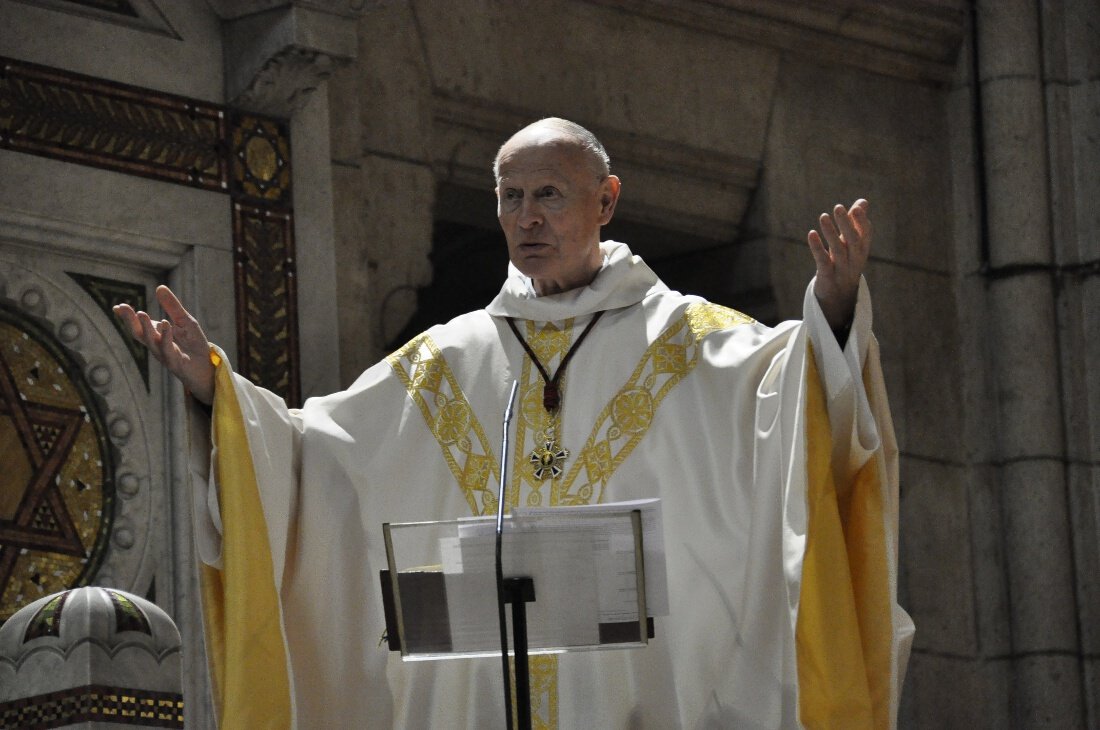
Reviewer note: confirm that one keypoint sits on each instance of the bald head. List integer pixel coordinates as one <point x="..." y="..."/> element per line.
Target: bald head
<point x="557" y="132"/>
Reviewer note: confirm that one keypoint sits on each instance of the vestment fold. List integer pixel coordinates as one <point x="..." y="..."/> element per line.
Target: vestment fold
<point x="670" y="396"/>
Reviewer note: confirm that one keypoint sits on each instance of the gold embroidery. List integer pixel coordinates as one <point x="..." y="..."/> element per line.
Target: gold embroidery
<point x="543" y="674"/>
<point x="550" y="342"/>
<point x="705" y="317"/>
<point x="433" y="387"/>
<point x="544" y="691"/>
<point x="669" y="359"/>
<point x="626" y="418"/>
<point x="453" y="422"/>
<point x="632" y="410"/>
<point x="619" y="427"/>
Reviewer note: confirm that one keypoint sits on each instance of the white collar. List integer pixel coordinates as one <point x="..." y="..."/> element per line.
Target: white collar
<point x="624" y="279"/>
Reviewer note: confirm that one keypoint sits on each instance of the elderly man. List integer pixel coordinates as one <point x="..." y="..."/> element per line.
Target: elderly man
<point x="771" y="448"/>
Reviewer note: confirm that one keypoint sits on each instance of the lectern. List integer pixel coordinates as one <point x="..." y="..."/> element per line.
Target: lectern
<point x="578" y="579"/>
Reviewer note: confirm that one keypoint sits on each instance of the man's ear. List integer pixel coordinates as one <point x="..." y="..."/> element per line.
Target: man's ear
<point x="609" y="196"/>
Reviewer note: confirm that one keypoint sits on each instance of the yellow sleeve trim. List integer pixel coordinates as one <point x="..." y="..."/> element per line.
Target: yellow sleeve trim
<point x="242" y="617"/>
<point x="844" y="634"/>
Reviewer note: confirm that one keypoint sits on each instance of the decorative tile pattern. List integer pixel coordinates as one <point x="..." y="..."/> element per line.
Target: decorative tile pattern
<point x="263" y="234"/>
<point x="266" y="294"/>
<point x="84" y="120"/>
<point x="109" y="292"/>
<point x="128" y="616"/>
<point x="260" y="151"/>
<point x="94" y="703"/>
<point x="47" y="622"/>
<point x="56" y="467"/>
<point x="79" y="119"/>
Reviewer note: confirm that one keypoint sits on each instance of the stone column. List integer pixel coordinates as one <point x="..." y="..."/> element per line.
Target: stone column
<point x="1071" y="63"/>
<point x="390" y="182"/>
<point x="1030" y="441"/>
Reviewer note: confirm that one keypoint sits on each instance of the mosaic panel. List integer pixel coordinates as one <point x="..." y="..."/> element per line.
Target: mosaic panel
<point x="260" y="150"/>
<point x="109" y="292"/>
<point x="94" y="703"/>
<point x="47" y="622"/>
<point x="84" y="120"/>
<point x="56" y="467"/>
<point x="128" y="616"/>
<point x="266" y="295"/>
<point x="80" y="119"/>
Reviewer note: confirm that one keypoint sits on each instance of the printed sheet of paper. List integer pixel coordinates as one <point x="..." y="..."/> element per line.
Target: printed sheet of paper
<point x="582" y="561"/>
<point x="566" y="608"/>
<point x="615" y="597"/>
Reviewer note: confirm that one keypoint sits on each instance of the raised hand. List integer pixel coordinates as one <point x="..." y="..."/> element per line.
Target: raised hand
<point x="841" y="251"/>
<point x="177" y="342"/>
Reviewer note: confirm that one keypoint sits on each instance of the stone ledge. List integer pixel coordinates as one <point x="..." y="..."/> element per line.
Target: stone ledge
<point x="916" y="40"/>
<point x="468" y="131"/>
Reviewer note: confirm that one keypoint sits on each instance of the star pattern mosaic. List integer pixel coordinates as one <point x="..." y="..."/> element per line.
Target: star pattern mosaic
<point x="56" y="470"/>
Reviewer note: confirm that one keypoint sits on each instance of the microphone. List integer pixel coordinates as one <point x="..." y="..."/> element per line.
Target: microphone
<point x="499" y="562"/>
<point x="504" y="461"/>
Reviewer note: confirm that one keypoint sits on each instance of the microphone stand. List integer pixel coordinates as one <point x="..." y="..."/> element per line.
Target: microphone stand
<point x="500" y="569"/>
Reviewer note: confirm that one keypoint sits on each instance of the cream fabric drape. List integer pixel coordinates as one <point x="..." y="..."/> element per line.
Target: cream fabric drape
<point x="669" y="396"/>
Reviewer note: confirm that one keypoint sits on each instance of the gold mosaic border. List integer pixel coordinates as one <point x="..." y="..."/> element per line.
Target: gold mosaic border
<point x="66" y="116"/>
<point x="94" y="703"/>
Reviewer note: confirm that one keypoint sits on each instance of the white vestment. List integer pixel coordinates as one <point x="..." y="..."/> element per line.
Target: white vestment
<point x="669" y="396"/>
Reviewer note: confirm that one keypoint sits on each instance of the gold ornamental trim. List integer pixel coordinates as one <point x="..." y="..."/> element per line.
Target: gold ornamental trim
<point x="536" y="429"/>
<point x="620" y="426"/>
<point x="626" y="418"/>
<point x="432" y="385"/>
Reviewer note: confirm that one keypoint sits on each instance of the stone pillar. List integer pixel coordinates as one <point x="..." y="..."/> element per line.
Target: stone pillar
<point x="280" y="56"/>
<point x="90" y="657"/>
<point x="1030" y="441"/>
<point x="389" y="183"/>
<point x="1071" y="63"/>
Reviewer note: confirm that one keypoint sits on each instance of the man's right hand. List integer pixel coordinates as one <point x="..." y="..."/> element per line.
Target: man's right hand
<point x="177" y="342"/>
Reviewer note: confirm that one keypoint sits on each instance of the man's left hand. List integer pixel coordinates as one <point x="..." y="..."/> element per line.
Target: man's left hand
<point x="841" y="251"/>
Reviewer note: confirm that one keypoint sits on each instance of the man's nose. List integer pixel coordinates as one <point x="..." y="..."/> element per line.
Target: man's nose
<point x="530" y="214"/>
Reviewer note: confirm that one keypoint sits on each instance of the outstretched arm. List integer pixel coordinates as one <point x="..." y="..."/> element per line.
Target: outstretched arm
<point x="178" y="342"/>
<point x="841" y="251"/>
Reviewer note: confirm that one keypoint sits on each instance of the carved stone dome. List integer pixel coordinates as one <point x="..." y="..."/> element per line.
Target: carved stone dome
<point x="98" y="652"/>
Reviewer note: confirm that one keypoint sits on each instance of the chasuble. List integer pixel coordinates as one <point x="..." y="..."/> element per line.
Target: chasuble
<point x="771" y="449"/>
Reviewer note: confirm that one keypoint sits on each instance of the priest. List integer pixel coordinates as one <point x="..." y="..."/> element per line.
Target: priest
<point x="771" y="449"/>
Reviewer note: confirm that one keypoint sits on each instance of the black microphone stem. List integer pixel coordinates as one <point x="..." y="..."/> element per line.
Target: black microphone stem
<point x="499" y="560"/>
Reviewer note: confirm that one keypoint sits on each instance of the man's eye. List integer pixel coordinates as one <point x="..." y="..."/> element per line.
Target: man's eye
<point x="511" y="195"/>
<point x="548" y="193"/>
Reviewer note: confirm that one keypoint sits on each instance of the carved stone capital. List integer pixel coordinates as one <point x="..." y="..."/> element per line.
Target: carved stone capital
<point x="916" y="40"/>
<point x="277" y="55"/>
<point x="283" y="85"/>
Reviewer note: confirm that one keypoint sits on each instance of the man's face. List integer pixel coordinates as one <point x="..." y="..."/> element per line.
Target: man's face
<point x="551" y="203"/>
